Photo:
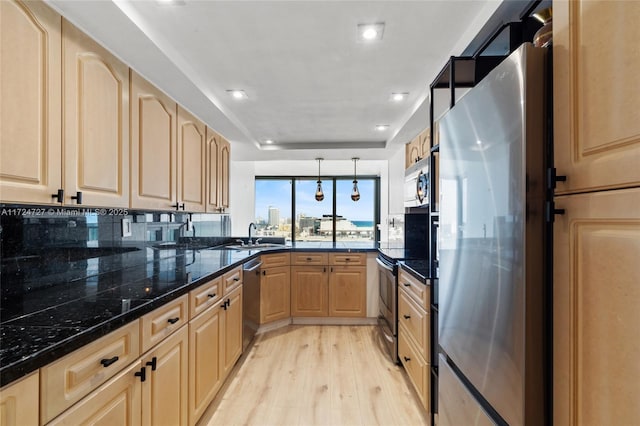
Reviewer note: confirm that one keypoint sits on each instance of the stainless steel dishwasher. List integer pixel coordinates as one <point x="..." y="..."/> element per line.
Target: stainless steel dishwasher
<point x="250" y="300"/>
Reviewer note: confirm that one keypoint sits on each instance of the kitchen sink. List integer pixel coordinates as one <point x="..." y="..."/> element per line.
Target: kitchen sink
<point x="256" y="246"/>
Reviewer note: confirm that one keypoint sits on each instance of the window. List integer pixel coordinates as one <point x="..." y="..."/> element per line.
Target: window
<point x="336" y="218"/>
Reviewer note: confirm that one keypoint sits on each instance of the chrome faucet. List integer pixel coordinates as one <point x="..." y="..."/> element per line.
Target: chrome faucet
<point x="254" y="227"/>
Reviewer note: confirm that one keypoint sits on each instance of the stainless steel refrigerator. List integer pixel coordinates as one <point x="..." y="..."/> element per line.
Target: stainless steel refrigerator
<point x="491" y="246"/>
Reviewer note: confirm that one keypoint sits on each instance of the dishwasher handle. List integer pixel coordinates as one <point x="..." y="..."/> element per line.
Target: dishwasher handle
<point x="253" y="267"/>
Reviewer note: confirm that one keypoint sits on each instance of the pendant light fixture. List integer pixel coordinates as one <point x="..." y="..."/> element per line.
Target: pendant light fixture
<point x="355" y="193"/>
<point x="319" y="193"/>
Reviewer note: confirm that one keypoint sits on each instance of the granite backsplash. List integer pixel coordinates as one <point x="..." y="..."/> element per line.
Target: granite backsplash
<point x="55" y="250"/>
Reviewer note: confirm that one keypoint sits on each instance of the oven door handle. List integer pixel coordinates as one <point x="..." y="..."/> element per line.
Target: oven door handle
<point x="384" y="265"/>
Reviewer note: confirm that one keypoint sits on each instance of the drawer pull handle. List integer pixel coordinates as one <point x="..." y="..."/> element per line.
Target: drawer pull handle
<point x="347" y="259"/>
<point x="153" y="363"/>
<point x="142" y="374"/>
<point x="406" y="359"/>
<point x="173" y="320"/>
<point x="406" y="284"/>
<point x="309" y="259"/>
<point x="108" y="361"/>
<point x="211" y="296"/>
<point x="236" y="278"/>
<point x="407" y="316"/>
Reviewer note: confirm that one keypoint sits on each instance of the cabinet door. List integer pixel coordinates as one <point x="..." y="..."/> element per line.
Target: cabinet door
<point x="191" y="161"/>
<point x="153" y="146"/>
<point x="275" y="294"/>
<point x="309" y="291"/>
<point x="117" y="402"/>
<point x="225" y="158"/>
<point x="30" y="123"/>
<point x="17" y="402"/>
<point x="232" y="331"/>
<point x="596" y="315"/>
<point x="412" y="152"/>
<point x="425" y="143"/>
<point x="348" y="291"/>
<point x="96" y="122"/>
<point x="596" y="94"/>
<point x="214" y="147"/>
<point x="164" y="394"/>
<point x="205" y="376"/>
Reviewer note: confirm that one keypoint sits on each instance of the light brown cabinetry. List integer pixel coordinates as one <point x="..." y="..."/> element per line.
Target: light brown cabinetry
<point x="204" y="297"/>
<point x="165" y="390"/>
<point x="96" y="122"/>
<point x="309" y="291"/>
<point x="19" y="402"/>
<point x="67" y="380"/>
<point x="30" y="113"/>
<point x="413" y="333"/>
<point x="418" y="148"/>
<point x="597" y="239"/>
<point x="218" y="157"/>
<point x="596" y="316"/>
<point x="275" y="296"/>
<point x="153" y="147"/>
<point x="596" y="126"/>
<point x="348" y="291"/>
<point x="160" y="323"/>
<point x="215" y="344"/>
<point x="117" y="402"/>
<point x="191" y="173"/>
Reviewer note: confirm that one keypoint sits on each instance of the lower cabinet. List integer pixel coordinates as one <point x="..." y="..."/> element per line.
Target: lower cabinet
<point x="275" y="294"/>
<point x="117" y="402"/>
<point x="215" y="344"/>
<point x="151" y="391"/>
<point x="309" y="291"/>
<point x="348" y="291"/>
<point x="17" y="402"/>
<point x="165" y="391"/>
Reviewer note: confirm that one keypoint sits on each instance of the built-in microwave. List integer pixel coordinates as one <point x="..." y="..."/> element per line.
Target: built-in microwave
<point x="416" y="184"/>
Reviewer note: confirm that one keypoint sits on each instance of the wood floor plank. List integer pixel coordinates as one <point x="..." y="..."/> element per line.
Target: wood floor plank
<point x="317" y="375"/>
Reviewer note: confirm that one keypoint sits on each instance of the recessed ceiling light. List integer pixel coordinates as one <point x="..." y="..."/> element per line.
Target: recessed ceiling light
<point x="171" y="2"/>
<point x="370" y="32"/>
<point x="269" y="141"/>
<point x="382" y="127"/>
<point x="237" y="93"/>
<point x="398" y="97"/>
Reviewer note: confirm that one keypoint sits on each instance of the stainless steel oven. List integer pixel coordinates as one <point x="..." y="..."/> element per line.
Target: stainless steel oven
<point x="388" y="318"/>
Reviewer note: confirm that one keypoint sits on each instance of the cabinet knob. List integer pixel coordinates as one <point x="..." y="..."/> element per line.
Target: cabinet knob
<point x="77" y="197"/>
<point x="59" y="196"/>
<point x="406" y="359"/>
<point x="108" y="361"/>
<point x="142" y="374"/>
<point x="173" y="320"/>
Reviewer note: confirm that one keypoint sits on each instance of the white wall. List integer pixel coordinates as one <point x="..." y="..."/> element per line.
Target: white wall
<point x="243" y="173"/>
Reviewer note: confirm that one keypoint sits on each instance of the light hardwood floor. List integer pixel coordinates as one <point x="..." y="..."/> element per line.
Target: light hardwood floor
<point x="317" y="375"/>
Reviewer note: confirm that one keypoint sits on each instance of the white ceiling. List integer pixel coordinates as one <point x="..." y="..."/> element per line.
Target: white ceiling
<point x="311" y="85"/>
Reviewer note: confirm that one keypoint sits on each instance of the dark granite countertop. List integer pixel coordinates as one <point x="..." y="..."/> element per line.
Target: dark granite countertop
<point x="417" y="268"/>
<point x="399" y="252"/>
<point x="51" y="308"/>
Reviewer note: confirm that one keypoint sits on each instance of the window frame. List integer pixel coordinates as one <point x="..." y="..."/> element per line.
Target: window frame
<point x="334" y="184"/>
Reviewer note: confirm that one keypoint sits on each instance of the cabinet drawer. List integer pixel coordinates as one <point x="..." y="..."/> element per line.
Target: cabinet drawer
<point x="417" y="290"/>
<point x="232" y="279"/>
<point x="359" y="259"/>
<point x="157" y="325"/>
<point x="417" y="368"/>
<point x="204" y="296"/>
<point x="117" y="402"/>
<point x="318" y="259"/>
<point x="276" y="259"/>
<point x="416" y="320"/>
<point x="67" y="380"/>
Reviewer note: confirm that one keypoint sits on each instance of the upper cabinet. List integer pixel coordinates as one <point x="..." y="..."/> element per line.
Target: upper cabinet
<point x="30" y="123"/>
<point x="218" y="156"/>
<point x="596" y="94"/>
<point x="191" y="162"/>
<point x="96" y="122"/>
<point x="418" y="148"/>
<point x="153" y="147"/>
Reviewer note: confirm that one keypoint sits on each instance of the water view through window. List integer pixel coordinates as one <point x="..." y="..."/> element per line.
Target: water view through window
<point x="279" y="200"/>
